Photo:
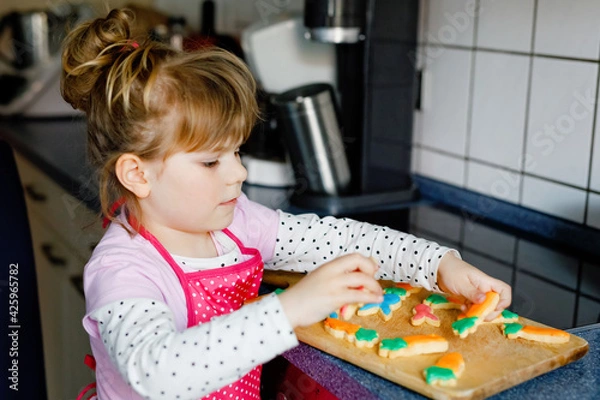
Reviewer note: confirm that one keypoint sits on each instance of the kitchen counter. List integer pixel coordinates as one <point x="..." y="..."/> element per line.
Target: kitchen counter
<point x="57" y="147"/>
<point x="579" y="380"/>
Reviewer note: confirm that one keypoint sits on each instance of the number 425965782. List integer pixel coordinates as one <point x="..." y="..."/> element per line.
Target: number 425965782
<point x="13" y="296"/>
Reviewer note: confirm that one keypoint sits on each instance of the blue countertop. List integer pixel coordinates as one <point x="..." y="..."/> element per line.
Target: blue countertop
<point x="577" y="380"/>
<point x="58" y="148"/>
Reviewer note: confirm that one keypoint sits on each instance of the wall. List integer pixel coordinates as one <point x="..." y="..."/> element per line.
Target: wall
<point x="509" y="102"/>
<point x="231" y="15"/>
<point x="100" y="5"/>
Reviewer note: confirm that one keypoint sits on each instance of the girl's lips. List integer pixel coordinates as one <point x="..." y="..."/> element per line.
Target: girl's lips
<point x="231" y="202"/>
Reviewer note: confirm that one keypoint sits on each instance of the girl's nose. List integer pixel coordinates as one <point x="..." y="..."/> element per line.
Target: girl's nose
<point x="239" y="172"/>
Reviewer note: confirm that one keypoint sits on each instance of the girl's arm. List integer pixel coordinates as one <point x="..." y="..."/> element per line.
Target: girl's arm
<point x="304" y="242"/>
<point x="159" y="362"/>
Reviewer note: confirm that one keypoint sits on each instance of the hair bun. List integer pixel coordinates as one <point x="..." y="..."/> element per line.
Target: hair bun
<point x="88" y="50"/>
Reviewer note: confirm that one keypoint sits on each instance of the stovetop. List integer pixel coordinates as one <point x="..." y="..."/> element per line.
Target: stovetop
<point x="551" y="284"/>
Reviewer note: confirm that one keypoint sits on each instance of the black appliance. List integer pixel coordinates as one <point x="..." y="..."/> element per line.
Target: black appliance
<point x="377" y="80"/>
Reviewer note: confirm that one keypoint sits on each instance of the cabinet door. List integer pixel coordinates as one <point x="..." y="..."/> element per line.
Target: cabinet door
<point x="79" y="227"/>
<point x="74" y="339"/>
<point x="51" y="259"/>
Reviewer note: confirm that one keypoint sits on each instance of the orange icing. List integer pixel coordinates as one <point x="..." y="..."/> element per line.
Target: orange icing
<point x="535" y="330"/>
<point x="480" y="310"/>
<point x="416" y="339"/>
<point x="340" y="325"/>
<point x="407" y="287"/>
<point x="452" y="361"/>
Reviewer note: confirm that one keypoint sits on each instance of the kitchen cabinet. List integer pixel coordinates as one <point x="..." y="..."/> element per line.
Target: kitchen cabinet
<point x="64" y="232"/>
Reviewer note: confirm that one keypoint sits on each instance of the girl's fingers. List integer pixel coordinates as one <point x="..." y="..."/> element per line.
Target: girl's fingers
<point x="357" y="262"/>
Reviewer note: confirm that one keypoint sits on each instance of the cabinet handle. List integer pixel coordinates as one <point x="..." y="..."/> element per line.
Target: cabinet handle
<point x="55" y="260"/>
<point x="34" y="194"/>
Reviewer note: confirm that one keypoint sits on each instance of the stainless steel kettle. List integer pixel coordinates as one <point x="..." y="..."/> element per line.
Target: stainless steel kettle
<point x="32" y="37"/>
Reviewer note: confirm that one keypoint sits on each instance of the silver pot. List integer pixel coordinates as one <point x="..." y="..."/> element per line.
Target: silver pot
<point x="33" y="37"/>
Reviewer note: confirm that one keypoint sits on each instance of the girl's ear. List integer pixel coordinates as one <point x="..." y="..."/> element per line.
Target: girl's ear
<point x="131" y="172"/>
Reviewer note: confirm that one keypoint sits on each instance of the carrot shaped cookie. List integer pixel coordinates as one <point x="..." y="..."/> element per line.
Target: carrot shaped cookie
<point x="353" y="333"/>
<point x="475" y="315"/>
<point x="412" y="346"/>
<point x="505" y="317"/>
<point x="406" y="287"/>
<point x="446" y="371"/>
<point x="535" y="333"/>
<point x="442" y="302"/>
<point x="424" y="314"/>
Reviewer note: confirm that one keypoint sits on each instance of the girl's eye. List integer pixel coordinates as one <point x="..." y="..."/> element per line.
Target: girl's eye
<point x="210" y="164"/>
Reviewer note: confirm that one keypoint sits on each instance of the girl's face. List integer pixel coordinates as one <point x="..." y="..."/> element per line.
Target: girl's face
<point x="193" y="192"/>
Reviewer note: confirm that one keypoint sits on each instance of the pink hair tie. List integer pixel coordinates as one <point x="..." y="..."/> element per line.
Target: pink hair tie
<point x="131" y="43"/>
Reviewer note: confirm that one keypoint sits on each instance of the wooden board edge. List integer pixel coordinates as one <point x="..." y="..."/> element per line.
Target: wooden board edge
<point x="414" y="384"/>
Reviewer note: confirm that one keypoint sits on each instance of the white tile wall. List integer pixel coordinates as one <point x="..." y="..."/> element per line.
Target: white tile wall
<point x="553" y="198"/>
<point x="495" y="182"/>
<point x="445" y="101"/>
<point x="568" y="28"/>
<point x="595" y="170"/>
<point x="593" y="210"/>
<point x="451" y="22"/>
<point x="440" y="166"/>
<point x="538" y="128"/>
<point x="499" y="104"/>
<point x="559" y="130"/>
<point x="496" y="16"/>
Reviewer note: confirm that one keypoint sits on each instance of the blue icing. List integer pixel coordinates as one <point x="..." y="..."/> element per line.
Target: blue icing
<point x="389" y="299"/>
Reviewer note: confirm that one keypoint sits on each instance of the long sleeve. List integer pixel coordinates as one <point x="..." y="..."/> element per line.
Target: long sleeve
<point x="306" y="241"/>
<point x="159" y="362"/>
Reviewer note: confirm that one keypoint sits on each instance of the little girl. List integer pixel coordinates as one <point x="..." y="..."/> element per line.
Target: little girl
<point x="165" y="288"/>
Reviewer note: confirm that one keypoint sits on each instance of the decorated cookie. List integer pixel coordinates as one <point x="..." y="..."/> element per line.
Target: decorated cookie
<point x="446" y="371"/>
<point x="390" y="303"/>
<point x="409" y="289"/>
<point x="345" y="312"/>
<point x="538" y="334"/>
<point x="475" y="315"/>
<point x="412" y="346"/>
<point x="424" y="314"/>
<point x="505" y="317"/>
<point x="442" y="302"/>
<point x="400" y="292"/>
<point x="353" y="333"/>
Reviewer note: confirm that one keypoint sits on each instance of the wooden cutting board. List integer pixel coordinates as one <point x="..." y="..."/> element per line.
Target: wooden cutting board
<point x="492" y="362"/>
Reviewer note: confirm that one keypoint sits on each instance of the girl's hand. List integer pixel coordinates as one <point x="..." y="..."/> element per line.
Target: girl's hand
<point x="460" y="278"/>
<point x="347" y="279"/>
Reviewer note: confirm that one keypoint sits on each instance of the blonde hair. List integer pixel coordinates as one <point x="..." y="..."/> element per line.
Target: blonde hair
<point x="126" y="86"/>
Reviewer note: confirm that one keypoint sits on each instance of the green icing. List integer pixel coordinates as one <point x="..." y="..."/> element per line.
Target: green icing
<point x="395" y="290"/>
<point x="279" y="291"/>
<point x="436" y="299"/>
<point x="393" y="344"/>
<point x="510" y="329"/>
<point x="435" y="373"/>
<point x="509" y="314"/>
<point x="366" y="334"/>
<point x="464" y="324"/>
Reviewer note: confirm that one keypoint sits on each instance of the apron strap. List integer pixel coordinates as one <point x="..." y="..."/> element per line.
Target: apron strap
<point x="90" y="361"/>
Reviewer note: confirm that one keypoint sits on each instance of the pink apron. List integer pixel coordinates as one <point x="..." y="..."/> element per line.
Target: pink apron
<point x="216" y="292"/>
<point x="212" y="293"/>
